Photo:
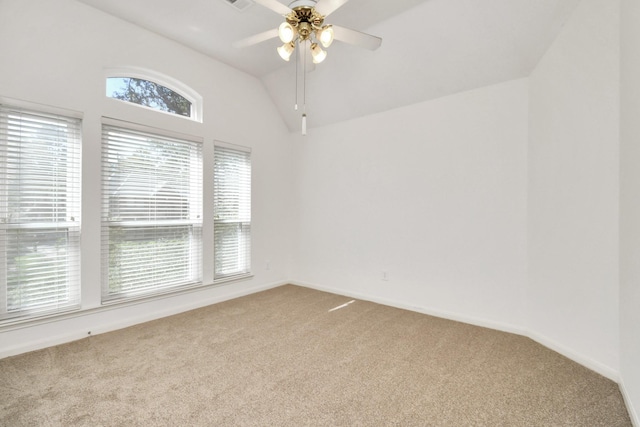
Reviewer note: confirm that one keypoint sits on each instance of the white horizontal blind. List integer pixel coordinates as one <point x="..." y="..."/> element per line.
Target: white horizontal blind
<point x="151" y="213"/>
<point x="232" y="211"/>
<point x="39" y="213"/>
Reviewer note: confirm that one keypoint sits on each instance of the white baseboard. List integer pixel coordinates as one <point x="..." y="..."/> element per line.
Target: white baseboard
<point x="633" y="414"/>
<point x="504" y="327"/>
<point x="80" y="333"/>
<point x="49" y="341"/>
<point x="96" y="328"/>
<point x="601" y="369"/>
<point x="192" y="305"/>
<point x="587" y="362"/>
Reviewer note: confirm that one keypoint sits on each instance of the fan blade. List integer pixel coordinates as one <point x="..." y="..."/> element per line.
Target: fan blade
<point x="356" y="38"/>
<point x="274" y="5"/>
<point x="327" y="7"/>
<point x="256" y="38"/>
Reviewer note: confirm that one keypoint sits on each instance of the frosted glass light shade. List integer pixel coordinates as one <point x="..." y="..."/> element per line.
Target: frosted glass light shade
<point x="326" y="36"/>
<point x="286" y="50"/>
<point x="317" y="53"/>
<point x="286" y="32"/>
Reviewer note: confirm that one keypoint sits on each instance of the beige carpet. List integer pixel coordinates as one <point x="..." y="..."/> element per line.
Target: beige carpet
<point x="282" y="358"/>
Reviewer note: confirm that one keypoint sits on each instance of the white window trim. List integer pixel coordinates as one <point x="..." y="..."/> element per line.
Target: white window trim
<point x="44" y="316"/>
<point x="125" y="125"/>
<point x="90" y="184"/>
<point x="111" y="121"/>
<point x="169" y="82"/>
<point x="239" y="276"/>
<point x="43" y="108"/>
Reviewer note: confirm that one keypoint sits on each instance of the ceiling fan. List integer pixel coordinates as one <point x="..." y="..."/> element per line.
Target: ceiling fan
<point x="304" y="25"/>
<point x="304" y="28"/>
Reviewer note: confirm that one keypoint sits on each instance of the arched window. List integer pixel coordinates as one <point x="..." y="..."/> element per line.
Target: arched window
<point x="153" y="90"/>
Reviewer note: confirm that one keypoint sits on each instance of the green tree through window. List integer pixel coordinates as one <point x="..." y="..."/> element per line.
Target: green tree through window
<point x="149" y="94"/>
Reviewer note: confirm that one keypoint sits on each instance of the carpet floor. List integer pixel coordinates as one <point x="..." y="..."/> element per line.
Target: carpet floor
<point x="292" y="356"/>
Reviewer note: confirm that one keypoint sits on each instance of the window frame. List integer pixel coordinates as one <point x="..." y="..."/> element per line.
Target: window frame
<point x="90" y="289"/>
<point x="106" y="298"/>
<point x="246" y="272"/>
<point x="71" y="226"/>
<point x="160" y="79"/>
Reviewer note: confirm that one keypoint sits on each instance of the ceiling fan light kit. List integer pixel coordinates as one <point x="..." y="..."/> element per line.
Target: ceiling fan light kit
<point x="305" y="23"/>
<point x="286" y="50"/>
<point x="317" y="53"/>
<point x="286" y="32"/>
<point x="325" y="35"/>
<point x="304" y="26"/>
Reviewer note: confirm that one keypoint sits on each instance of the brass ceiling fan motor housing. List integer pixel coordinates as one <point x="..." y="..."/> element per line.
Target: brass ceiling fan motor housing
<point x="305" y="20"/>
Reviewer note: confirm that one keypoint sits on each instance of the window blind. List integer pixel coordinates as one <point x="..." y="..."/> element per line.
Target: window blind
<point x="232" y="211"/>
<point x="151" y="213"/>
<point x="39" y="213"/>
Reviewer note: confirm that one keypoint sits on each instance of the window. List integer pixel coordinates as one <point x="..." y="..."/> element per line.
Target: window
<point x="39" y="213"/>
<point x="148" y="94"/>
<point x="151" y="89"/>
<point x="232" y="211"/>
<point x="151" y="213"/>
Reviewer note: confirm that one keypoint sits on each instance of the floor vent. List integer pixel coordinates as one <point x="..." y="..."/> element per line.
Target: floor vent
<point x="239" y="4"/>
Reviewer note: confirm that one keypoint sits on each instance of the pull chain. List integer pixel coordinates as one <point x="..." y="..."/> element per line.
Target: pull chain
<point x="295" y="107"/>
<point x="304" y="92"/>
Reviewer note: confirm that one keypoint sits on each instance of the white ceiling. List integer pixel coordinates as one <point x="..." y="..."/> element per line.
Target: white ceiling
<point x="430" y="48"/>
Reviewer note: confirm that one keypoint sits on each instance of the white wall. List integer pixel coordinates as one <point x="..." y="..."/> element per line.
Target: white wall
<point x="434" y="194"/>
<point x="497" y="206"/>
<point x="573" y="156"/>
<point x="630" y="207"/>
<point x="55" y="52"/>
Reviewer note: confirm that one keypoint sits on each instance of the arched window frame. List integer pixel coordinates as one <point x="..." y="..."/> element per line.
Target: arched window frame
<point x="161" y="79"/>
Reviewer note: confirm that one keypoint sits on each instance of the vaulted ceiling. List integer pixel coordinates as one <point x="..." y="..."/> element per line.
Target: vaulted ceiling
<point x="430" y="48"/>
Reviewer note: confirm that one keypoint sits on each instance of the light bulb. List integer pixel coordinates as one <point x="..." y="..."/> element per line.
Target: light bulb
<point x="304" y="124"/>
<point x="286" y="32"/>
<point x="326" y="35"/>
<point x="318" y="54"/>
<point x="286" y="50"/>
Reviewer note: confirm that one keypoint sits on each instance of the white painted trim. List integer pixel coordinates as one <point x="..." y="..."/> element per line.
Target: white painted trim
<point x="145" y="317"/>
<point x="234" y="278"/>
<point x="230" y="146"/>
<point x="129" y="321"/>
<point x="134" y="126"/>
<point x="504" y="327"/>
<point x="587" y="362"/>
<point x="175" y="85"/>
<point x="42" y="108"/>
<point x="41" y="344"/>
<point x="598" y="367"/>
<point x="195" y="304"/>
<point x="633" y="414"/>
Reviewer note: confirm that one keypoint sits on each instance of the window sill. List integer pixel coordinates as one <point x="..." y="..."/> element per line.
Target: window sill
<point x="231" y="279"/>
